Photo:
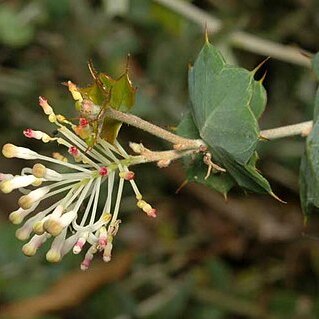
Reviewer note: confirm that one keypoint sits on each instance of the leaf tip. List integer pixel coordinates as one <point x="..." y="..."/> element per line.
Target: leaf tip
<point x="206" y="33"/>
<point x="127" y="65"/>
<point x="263" y="77"/>
<point x="180" y="187"/>
<point x="254" y="71"/>
<point x="277" y="198"/>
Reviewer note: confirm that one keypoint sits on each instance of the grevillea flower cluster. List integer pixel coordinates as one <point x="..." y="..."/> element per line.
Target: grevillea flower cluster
<point x="74" y="198"/>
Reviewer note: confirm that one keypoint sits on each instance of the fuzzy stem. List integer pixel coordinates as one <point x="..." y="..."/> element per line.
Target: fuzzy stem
<point x="302" y="129"/>
<point x="152" y="156"/>
<point x="181" y="142"/>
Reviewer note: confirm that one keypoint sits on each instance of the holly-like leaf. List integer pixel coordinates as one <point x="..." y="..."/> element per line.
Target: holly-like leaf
<point x="122" y="98"/>
<point x="244" y="175"/>
<point x="196" y="169"/>
<point x="118" y="94"/>
<point x="221" y="96"/>
<point x="226" y="102"/>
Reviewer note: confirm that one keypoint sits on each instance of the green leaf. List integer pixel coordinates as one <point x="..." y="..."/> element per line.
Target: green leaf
<point x="315" y="64"/>
<point x="220" y="182"/>
<point x="196" y="169"/>
<point x="316" y="108"/>
<point x="259" y="99"/>
<point x="13" y="30"/>
<point x="122" y="98"/>
<point x="309" y="166"/>
<point x="226" y="103"/>
<point x="220" y="96"/>
<point x="118" y="94"/>
<point x="245" y="176"/>
<point x="309" y="173"/>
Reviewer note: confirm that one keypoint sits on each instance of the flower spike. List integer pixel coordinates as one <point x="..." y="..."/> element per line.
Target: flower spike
<point x="69" y="193"/>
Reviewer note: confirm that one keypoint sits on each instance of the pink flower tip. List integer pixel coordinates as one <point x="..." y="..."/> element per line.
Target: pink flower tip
<point x="85" y="264"/>
<point x="42" y="100"/>
<point x="103" y="171"/>
<point x="152" y="213"/>
<point x="73" y="151"/>
<point x="102" y="243"/>
<point x="83" y="122"/>
<point x="28" y="133"/>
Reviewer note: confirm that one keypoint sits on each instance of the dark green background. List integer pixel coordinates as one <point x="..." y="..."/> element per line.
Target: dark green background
<point x="201" y="258"/>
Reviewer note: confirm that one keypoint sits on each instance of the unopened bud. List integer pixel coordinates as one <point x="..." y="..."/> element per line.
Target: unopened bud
<point x="128" y="176"/>
<point x="83" y="122"/>
<point x="18" y="216"/>
<point x="77" y="248"/>
<point x="38" y="227"/>
<point x="10" y="151"/>
<point x="53" y="256"/>
<point x="102" y="238"/>
<point x="30" y="248"/>
<point x="40" y="171"/>
<point x="137" y="148"/>
<point x="147" y="208"/>
<point x="59" y="157"/>
<point x="27" y="201"/>
<point x="53" y="226"/>
<point x="16" y="182"/>
<point x="47" y="109"/>
<point x="88" y="258"/>
<point x="38" y="135"/>
<point x="74" y="91"/>
<point x="107" y="254"/>
<point x="103" y="171"/>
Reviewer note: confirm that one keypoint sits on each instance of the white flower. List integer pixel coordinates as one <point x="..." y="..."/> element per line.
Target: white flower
<point x="73" y="218"/>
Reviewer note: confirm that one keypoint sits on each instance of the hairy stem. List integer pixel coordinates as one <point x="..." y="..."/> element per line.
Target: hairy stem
<point x="238" y="39"/>
<point x="302" y="129"/>
<point x="180" y="142"/>
<point x="163" y="158"/>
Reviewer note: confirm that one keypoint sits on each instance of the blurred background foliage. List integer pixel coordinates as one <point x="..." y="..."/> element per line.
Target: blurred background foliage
<point x="202" y="257"/>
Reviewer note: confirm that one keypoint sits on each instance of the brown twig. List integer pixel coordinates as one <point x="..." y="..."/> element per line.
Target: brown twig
<point x="70" y="290"/>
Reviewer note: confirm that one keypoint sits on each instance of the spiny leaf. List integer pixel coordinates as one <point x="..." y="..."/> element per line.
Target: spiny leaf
<point x="220" y="96"/>
<point x="245" y="175"/>
<point x="196" y="169"/>
<point x="122" y="99"/>
<point x="106" y="92"/>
